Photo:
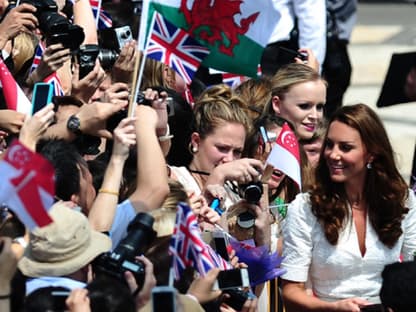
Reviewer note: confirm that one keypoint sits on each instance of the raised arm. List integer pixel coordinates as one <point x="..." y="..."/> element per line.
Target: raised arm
<point x="103" y="209"/>
<point x="152" y="179"/>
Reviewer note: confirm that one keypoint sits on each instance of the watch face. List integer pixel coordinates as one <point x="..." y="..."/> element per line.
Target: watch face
<point x="74" y="124"/>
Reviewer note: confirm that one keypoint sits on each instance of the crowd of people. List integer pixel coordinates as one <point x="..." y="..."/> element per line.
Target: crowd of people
<point x="120" y="174"/>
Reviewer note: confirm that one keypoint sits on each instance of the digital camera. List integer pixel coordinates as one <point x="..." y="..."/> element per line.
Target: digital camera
<point x="55" y="27"/>
<point x="123" y="258"/>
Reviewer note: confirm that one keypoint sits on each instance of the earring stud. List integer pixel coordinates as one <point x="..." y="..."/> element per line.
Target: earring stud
<point x="369" y="165"/>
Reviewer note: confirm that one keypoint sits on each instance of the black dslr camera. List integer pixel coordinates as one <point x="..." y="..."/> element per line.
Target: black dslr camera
<point x="55" y="27"/>
<point x="139" y="236"/>
<point x="252" y="193"/>
<point x="87" y="55"/>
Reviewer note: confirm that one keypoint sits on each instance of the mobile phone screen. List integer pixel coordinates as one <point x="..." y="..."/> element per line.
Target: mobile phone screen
<point x="163" y="299"/>
<point x="233" y="279"/>
<point x="42" y="96"/>
<point x="221" y="245"/>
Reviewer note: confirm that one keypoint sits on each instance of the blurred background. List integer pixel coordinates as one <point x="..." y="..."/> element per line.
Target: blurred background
<point x="384" y="28"/>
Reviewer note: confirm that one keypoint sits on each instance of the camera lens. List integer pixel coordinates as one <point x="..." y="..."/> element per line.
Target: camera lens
<point x="107" y="58"/>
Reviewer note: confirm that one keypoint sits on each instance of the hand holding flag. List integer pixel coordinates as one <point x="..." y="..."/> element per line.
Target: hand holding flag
<point x="188" y="248"/>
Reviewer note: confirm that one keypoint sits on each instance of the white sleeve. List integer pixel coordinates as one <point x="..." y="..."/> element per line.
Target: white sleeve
<point x="311" y="16"/>
<point x="297" y="239"/>
<point x="409" y="228"/>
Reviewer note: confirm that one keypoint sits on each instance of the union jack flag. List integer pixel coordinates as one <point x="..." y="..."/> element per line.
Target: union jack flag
<point x="38" y="55"/>
<point x="175" y="47"/>
<point x="103" y="20"/>
<point x="56" y="82"/>
<point x="188" y="248"/>
<point x="52" y="78"/>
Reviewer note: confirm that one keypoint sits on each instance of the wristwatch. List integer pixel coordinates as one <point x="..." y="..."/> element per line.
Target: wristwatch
<point x="74" y="125"/>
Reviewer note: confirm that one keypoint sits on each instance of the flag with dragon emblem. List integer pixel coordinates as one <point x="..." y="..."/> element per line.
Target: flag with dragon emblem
<point x="235" y="31"/>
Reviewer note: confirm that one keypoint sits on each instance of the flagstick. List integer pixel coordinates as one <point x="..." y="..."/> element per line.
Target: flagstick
<point x="177" y="225"/>
<point x="97" y="17"/>
<point x="138" y="75"/>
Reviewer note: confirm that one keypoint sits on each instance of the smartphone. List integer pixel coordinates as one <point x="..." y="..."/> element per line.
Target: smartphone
<point x="221" y="243"/>
<point x="42" y="96"/>
<point x="234" y="278"/>
<point x="164" y="299"/>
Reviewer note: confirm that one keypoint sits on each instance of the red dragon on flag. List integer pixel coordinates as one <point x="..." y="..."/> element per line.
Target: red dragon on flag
<point x="214" y="22"/>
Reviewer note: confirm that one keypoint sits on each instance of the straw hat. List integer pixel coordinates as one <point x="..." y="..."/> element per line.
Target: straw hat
<point x="64" y="246"/>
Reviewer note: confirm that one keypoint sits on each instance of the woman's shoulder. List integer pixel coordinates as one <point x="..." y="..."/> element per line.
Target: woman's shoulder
<point x="411" y="200"/>
<point x="301" y="205"/>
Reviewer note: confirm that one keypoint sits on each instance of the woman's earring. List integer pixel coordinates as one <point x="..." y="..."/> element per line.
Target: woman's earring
<point x="192" y="149"/>
<point x="369" y="165"/>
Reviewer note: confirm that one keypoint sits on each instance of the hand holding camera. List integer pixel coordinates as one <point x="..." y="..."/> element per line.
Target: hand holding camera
<point x="123" y="67"/>
<point x="84" y="88"/>
<point x="144" y="295"/>
<point x="53" y="58"/>
<point x="242" y="170"/>
<point x="16" y="20"/>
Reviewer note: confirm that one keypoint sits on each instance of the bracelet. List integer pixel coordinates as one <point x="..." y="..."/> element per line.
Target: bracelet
<point x="3" y="297"/>
<point x="105" y="191"/>
<point x="166" y="136"/>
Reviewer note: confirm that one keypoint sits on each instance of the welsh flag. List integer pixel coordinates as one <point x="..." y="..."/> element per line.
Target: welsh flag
<point x="235" y="31"/>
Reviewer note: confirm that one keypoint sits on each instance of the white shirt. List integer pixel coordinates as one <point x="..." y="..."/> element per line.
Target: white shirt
<point x="339" y="272"/>
<point x="311" y="15"/>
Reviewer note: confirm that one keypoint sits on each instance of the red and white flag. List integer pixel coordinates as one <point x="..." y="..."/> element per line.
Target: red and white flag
<point x="285" y="155"/>
<point x="14" y="96"/>
<point x="27" y="185"/>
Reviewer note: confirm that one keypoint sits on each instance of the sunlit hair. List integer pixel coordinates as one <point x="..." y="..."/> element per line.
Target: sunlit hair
<point x="289" y="76"/>
<point x="256" y="93"/>
<point x="165" y="216"/>
<point x="153" y="75"/>
<point x="24" y="46"/>
<point x="217" y="106"/>
<point x="385" y="190"/>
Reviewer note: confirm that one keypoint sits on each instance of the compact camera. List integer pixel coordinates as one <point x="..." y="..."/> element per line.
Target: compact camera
<point x="123" y="258"/>
<point x="115" y="38"/>
<point x="55" y="27"/>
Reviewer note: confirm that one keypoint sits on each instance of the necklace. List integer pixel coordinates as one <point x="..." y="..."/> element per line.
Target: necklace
<point x="198" y="172"/>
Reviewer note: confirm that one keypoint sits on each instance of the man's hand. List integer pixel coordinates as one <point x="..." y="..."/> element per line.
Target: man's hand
<point x="35" y="126"/>
<point x="53" y="58"/>
<point x="144" y="295"/>
<point x="19" y="19"/>
<point x="93" y="118"/>
<point x="85" y="88"/>
<point x="78" y="301"/>
<point x="123" y="67"/>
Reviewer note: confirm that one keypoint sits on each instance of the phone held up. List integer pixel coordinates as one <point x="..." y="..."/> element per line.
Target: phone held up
<point x="42" y="96"/>
<point x="234" y="278"/>
<point x="164" y="299"/>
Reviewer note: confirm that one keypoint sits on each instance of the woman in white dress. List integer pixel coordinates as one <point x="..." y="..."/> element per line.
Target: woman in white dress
<point x="358" y="217"/>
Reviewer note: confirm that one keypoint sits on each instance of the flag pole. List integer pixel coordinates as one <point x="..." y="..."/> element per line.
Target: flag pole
<point x="97" y="16"/>
<point x="137" y="75"/>
<point x="179" y="213"/>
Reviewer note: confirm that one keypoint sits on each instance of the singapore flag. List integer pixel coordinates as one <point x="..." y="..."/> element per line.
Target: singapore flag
<point x="15" y="98"/>
<point x="27" y="185"/>
<point x="285" y="155"/>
